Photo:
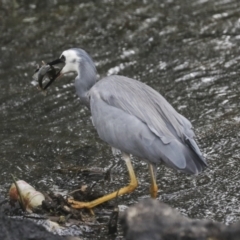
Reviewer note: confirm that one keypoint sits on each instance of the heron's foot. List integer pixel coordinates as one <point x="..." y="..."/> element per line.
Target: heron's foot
<point x="77" y="204"/>
<point x="128" y="189"/>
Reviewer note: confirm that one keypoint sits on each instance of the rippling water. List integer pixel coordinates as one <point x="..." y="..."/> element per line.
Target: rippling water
<point x="187" y="50"/>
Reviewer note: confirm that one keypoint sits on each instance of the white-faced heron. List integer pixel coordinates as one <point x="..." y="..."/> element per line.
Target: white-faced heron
<point x="133" y="118"/>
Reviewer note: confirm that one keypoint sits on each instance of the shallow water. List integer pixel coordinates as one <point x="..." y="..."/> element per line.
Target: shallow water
<point x="187" y="50"/>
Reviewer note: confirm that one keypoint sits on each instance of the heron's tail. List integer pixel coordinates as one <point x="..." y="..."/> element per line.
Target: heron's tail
<point x="193" y="145"/>
<point x="184" y="157"/>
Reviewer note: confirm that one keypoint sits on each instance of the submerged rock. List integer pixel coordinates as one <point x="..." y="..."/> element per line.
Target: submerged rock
<point x="153" y="220"/>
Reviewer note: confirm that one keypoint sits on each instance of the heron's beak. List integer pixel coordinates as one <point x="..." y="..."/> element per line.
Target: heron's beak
<point x="55" y="73"/>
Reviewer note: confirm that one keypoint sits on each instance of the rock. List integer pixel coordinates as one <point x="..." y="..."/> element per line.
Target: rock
<point x="153" y="220"/>
<point x="15" y="229"/>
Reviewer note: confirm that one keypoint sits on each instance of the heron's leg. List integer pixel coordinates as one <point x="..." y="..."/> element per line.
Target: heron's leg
<point x="154" y="187"/>
<point x="132" y="185"/>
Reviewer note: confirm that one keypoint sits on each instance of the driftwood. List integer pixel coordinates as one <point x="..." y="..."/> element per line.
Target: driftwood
<point x="153" y="220"/>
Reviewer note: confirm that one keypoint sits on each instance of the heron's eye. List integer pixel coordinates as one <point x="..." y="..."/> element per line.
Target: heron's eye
<point x="63" y="58"/>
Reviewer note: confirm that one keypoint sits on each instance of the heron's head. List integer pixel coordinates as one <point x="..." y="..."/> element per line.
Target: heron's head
<point x="72" y="59"/>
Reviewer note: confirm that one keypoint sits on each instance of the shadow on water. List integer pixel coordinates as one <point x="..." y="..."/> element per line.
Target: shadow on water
<point x="187" y="50"/>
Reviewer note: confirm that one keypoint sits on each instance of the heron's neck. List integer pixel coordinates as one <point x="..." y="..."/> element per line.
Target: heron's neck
<point x="84" y="81"/>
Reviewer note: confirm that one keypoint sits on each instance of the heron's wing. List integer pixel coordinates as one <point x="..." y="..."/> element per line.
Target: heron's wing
<point x="143" y="102"/>
<point x="120" y="105"/>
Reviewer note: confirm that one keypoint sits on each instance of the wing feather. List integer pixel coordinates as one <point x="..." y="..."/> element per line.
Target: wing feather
<point x="140" y="100"/>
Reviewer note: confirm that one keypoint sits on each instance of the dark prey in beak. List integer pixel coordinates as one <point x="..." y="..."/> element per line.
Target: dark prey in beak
<point x="49" y="71"/>
<point x="56" y="73"/>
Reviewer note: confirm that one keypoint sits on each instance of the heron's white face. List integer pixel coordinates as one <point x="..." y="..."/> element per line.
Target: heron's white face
<point x="71" y="60"/>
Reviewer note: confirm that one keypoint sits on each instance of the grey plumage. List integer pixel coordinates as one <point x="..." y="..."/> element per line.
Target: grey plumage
<point x="134" y="118"/>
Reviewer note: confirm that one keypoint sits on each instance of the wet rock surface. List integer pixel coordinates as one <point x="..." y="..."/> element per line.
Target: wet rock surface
<point x="151" y="219"/>
<point x="15" y="229"/>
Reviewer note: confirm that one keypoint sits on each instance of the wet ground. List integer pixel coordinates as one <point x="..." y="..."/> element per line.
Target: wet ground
<point x="187" y="50"/>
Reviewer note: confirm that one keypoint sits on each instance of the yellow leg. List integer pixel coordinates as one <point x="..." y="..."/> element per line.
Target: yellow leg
<point x="154" y="187"/>
<point x="132" y="185"/>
